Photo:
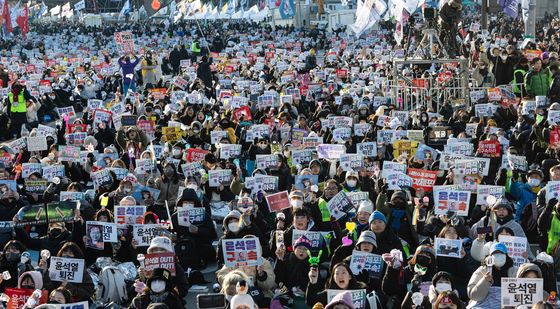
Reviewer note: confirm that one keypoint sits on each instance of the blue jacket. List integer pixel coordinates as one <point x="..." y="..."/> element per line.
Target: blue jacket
<point x="127" y="68"/>
<point x="523" y="196"/>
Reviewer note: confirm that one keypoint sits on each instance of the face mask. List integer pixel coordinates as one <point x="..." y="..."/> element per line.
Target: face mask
<point x="296" y="203"/>
<point x="188" y="205"/>
<point x="504" y="58"/>
<point x="12" y="256"/>
<point x="52" y="97"/>
<point x="534" y="182"/>
<point x="127" y="190"/>
<point x="443" y="287"/>
<point x="233" y="226"/>
<point x="262" y="146"/>
<point x="352" y="183"/>
<point x="157" y="286"/>
<point x="192" y="186"/>
<point x="499" y="259"/>
<point x="422" y="260"/>
<point x="29" y="287"/>
<point x="420" y="270"/>
<point x="54" y="233"/>
<point x="196" y="131"/>
<point x="176" y="152"/>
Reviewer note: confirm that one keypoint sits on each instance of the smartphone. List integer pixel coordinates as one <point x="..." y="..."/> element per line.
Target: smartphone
<point x="211" y="301"/>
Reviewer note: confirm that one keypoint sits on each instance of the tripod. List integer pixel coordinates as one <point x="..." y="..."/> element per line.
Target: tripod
<point x="429" y="37"/>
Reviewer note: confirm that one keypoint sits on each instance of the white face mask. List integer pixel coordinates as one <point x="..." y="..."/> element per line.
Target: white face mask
<point x="499" y="259"/>
<point x="176" y="152"/>
<point x="157" y="286"/>
<point x="192" y="186"/>
<point x="443" y="287"/>
<point x="233" y="226"/>
<point x="534" y="182"/>
<point x="296" y="203"/>
<point x="352" y="183"/>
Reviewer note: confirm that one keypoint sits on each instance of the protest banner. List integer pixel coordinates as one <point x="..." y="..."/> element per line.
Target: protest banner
<point x="517" y="162"/>
<point x="125" y="42"/>
<point x="192" y="169"/>
<point x="94" y="104"/>
<point x="219" y="177"/>
<point x="489" y="149"/>
<point x="196" y="155"/>
<point x="521" y="291"/>
<point x="19" y="144"/>
<point x="216" y="136"/>
<point x="61" y="211"/>
<point x="171" y="134"/>
<point x="36" y="143"/>
<point x="30" y="168"/>
<point x="448" y="247"/>
<point x="467" y="174"/>
<point x="100" y="178"/>
<point x="242" y="112"/>
<point x="552" y="190"/>
<point x="159" y="260"/>
<point x="316" y="238"/>
<point x="66" y="269"/>
<point x="330" y="151"/>
<point x="302" y="157"/>
<point x="107" y="231"/>
<point x="266" y="161"/>
<point x="229" y="151"/>
<point x="242" y="252"/>
<point x="351" y="162"/>
<point x="367" y="149"/>
<point x="517" y="247"/>
<point x="404" y="147"/>
<point x="71" y="196"/>
<point x="35" y="186"/>
<point x="101" y="117"/>
<point x="18" y="297"/>
<point x="483" y="191"/>
<point x="397" y="181"/>
<point x="262" y="183"/>
<point x="66" y="112"/>
<point x="34" y="215"/>
<point x="312" y="141"/>
<point x="129" y="215"/>
<point x="339" y="205"/>
<point x="260" y="131"/>
<point x="357" y="197"/>
<point x="278" y="201"/>
<point x="390" y="167"/>
<point x="553" y="117"/>
<point x="297" y="136"/>
<point x="68" y="153"/>
<point x="373" y="263"/>
<point x="144" y="233"/>
<point x="423" y="179"/>
<point x="76" y="139"/>
<point x="187" y="216"/>
<point x="359" y="300"/>
<point x="80" y="305"/>
<point x="462" y="148"/>
<point x="361" y="129"/>
<point x="446" y="201"/>
<point x="415" y="135"/>
<point x="128" y="120"/>
<point x="341" y="134"/>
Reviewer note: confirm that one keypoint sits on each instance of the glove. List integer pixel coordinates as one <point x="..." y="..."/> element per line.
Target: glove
<point x="515" y="175"/>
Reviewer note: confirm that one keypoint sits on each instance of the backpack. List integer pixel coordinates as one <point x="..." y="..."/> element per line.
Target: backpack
<point x="187" y="255"/>
<point x="548" y="274"/>
<point x="112" y="286"/>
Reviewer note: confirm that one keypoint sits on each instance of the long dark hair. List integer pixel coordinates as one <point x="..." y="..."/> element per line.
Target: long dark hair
<point x="71" y="246"/>
<point x="331" y="284"/>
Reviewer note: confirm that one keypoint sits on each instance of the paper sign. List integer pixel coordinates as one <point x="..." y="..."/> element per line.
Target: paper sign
<point x="452" y="200"/>
<point x="351" y="162"/>
<point x="66" y="269"/>
<point x="330" y="151"/>
<point x="552" y="190"/>
<point x="489" y="149"/>
<point x="373" y="263"/>
<point x="241" y="252"/>
<point x="18" y="297"/>
<point x="278" y="201"/>
<point x="358" y="297"/>
<point x="186" y="216"/>
<point x="448" y="247"/>
<point x="483" y="191"/>
<point x="144" y="233"/>
<point x="159" y="260"/>
<point x="129" y="215"/>
<point x="398" y="181"/>
<point x="35" y="186"/>
<point x="30" y="168"/>
<point x="68" y="153"/>
<point x="339" y="205"/>
<point x="219" y="177"/>
<point x="367" y="149"/>
<point x="103" y="231"/>
<point x="521" y="291"/>
<point x="516" y="246"/>
<point x="37" y="143"/>
<point x="424" y="179"/>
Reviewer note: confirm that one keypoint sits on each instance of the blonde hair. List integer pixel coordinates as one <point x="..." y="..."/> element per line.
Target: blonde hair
<point x="232" y="278"/>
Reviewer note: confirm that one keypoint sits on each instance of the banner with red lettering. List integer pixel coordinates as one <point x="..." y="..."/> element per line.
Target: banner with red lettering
<point x="243" y="111"/>
<point x="554" y="138"/>
<point x="489" y="149"/>
<point x="18" y="297"/>
<point x="159" y="260"/>
<point x="196" y="155"/>
<point x="422" y="179"/>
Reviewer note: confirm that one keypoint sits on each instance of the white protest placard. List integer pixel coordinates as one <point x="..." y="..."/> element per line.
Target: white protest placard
<point x="368" y="149"/>
<point x="94" y="104"/>
<point x="373" y="263"/>
<point x="66" y="269"/>
<point x="144" y="166"/>
<point x="390" y="167"/>
<point x="266" y="161"/>
<point x="521" y="291"/>
<point x="262" y="183"/>
<point x="30" y="168"/>
<point x="517" y="247"/>
<point x="415" y="135"/>
<point x="68" y="153"/>
<point x="312" y="141"/>
<point x="125" y="42"/>
<point x="186" y="216"/>
<point x="242" y="252"/>
<point x="517" y="162"/>
<point x="108" y="230"/>
<point x="462" y="148"/>
<point x="342" y="134"/>
<point x="219" y="177"/>
<point x="357" y="197"/>
<point x="80" y="305"/>
<point x="361" y="129"/>
<point x="397" y="181"/>
<point x="351" y="162"/>
<point x="339" y="205"/>
<point x="553" y="190"/>
<point x="129" y="215"/>
<point x="330" y="151"/>
<point x="51" y="171"/>
<point x="216" y="136"/>
<point x="302" y="157"/>
<point x="483" y="191"/>
<point x="359" y="300"/>
<point x="36" y="143"/>
<point x="71" y="196"/>
<point x="18" y="144"/>
<point x="144" y="233"/>
<point x="553" y="117"/>
<point x="43" y="130"/>
<point x="315" y="238"/>
<point x="448" y="247"/>
<point x="66" y="111"/>
<point x="451" y="200"/>
<point x="229" y="151"/>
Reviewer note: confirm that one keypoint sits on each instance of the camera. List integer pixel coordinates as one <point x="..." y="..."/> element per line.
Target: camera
<point x="211" y="301"/>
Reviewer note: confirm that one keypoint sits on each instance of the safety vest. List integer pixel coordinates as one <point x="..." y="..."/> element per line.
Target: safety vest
<point x="553" y="234"/>
<point x="516" y="88"/>
<point x="19" y="106"/>
<point x="195" y="48"/>
<point x="325" y="213"/>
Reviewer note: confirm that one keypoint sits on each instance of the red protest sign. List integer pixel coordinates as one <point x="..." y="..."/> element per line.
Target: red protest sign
<point x="554" y="138"/>
<point x="73" y="128"/>
<point x="489" y="149"/>
<point x="243" y="111"/>
<point x="159" y="260"/>
<point x="422" y="179"/>
<point x="341" y="73"/>
<point x="278" y="201"/>
<point x="228" y="69"/>
<point x="18" y="297"/>
<point x="196" y="155"/>
<point x="158" y="93"/>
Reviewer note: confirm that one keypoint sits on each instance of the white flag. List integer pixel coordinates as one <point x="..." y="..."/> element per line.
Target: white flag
<point x="125" y="9"/>
<point x="367" y="14"/>
<point x="525" y="9"/>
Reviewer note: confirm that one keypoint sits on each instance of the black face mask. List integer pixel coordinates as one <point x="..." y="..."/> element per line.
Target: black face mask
<point x="423" y="260"/>
<point x="12" y="256"/>
<point x="54" y="233"/>
<point x="29" y="287"/>
<point x="504" y="220"/>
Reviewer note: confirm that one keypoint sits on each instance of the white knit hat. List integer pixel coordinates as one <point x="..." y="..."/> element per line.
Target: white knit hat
<point x="161" y="242"/>
<point x="366" y="206"/>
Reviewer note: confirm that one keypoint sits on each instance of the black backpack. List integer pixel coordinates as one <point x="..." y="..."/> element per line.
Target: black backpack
<point x="548" y="274"/>
<point x="186" y="253"/>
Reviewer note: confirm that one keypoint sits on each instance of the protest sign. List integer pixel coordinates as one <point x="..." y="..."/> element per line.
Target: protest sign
<point x="190" y="215"/>
<point x="66" y="269"/>
<point x="297" y="136"/>
<point x="219" y="177"/>
<point x="373" y="263"/>
<point x="315" y="238"/>
<point x="196" y="155"/>
<point x="415" y="135"/>
<point x="71" y="196"/>
<point x="483" y="191"/>
<point x="521" y="291"/>
<point x="30" y="168"/>
<point x="34" y="215"/>
<point x="80" y="305"/>
<point x="68" y="153"/>
<point x="517" y="162"/>
<point x="76" y="139"/>
<point x="339" y="205"/>
<point x="35" y="186"/>
<point x="19" y="144"/>
<point x="517" y="247"/>
<point x="357" y="197"/>
<point x="66" y="111"/>
<point x="18" y="297"/>
<point x="144" y="233"/>
<point x="390" y="167"/>
<point x="490" y="149"/>
<point x="397" y="180"/>
<point x="217" y="136"/>
<point x="229" y="151"/>
<point x="312" y="141"/>
<point x="342" y="134"/>
<point x="404" y="147"/>
<point x="302" y="157"/>
<point x="241" y="252"/>
<point x="359" y="300"/>
<point x="462" y="148"/>
<point x="144" y="166"/>
<point x="129" y="215"/>
<point x="107" y="230"/>
<point x="61" y="211"/>
<point x="446" y="201"/>
<point x="361" y="129"/>
<point x="367" y="149"/>
<point x="424" y="179"/>
<point x="262" y="183"/>
<point x="552" y="190"/>
<point x="351" y="162"/>
<point x="553" y="117"/>
<point x="448" y="247"/>
<point x="192" y="169"/>
<point x="159" y="260"/>
<point x="266" y="161"/>
<point x="94" y="235"/>
<point x="425" y="152"/>
<point x="101" y="178"/>
<point x="278" y="201"/>
<point x="330" y="151"/>
<point x="467" y="174"/>
<point x="171" y="134"/>
<point x="36" y="143"/>
<point x="125" y="42"/>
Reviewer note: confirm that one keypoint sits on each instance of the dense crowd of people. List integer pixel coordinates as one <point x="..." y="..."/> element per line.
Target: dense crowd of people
<point x="282" y="156"/>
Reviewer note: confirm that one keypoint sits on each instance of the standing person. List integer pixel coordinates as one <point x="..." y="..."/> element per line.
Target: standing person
<point x="519" y="77"/>
<point x="127" y="67"/>
<point x="203" y="71"/>
<point x="149" y="73"/>
<point x="537" y="80"/>
<point x="554" y="93"/>
<point x="17" y="108"/>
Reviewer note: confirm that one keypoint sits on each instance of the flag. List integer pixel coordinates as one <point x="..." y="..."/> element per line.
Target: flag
<point x="55" y="11"/>
<point x="125" y="9"/>
<point x="22" y="19"/>
<point x="367" y="14"/>
<point x="42" y="10"/>
<point x="510" y="7"/>
<point x="6" y="16"/>
<point x="80" y="5"/>
<point x="287" y="9"/>
<point x="525" y="10"/>
<point x="153" y="6"/>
